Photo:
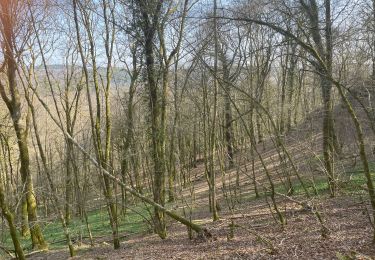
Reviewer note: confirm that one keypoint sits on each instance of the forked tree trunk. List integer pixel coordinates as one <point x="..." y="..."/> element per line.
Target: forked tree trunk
<point x="102" y="148"/>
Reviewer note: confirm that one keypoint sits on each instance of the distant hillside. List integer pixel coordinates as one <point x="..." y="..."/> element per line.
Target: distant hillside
<point x="120" y="78"/>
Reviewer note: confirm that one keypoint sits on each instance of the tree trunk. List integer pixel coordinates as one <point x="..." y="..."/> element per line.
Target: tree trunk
<point x="12" y="227"/>
<point x="13" y="104"/>
<point x="150" y="15"/>
<point x="228" y="127"/>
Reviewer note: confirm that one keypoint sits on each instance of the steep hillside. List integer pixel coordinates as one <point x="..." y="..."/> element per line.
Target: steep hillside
<point x="248" y="227"/>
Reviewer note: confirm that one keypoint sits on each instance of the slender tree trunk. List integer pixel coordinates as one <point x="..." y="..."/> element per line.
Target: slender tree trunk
<point x="12" y="227"/>
<point x="102" y="148"/>
<point x="291" y="86"/>
<point x="328" y="149"/>
<point x="373" y="41"/>
<point x="362" y="150"/>
<point x="284" y="68"/>
<point x="228" y="125"/>
<point x="68" y="181"/>
<point x="58" y="207"/>
<point x="212" y="141"/>
<point x="325" y="74"/>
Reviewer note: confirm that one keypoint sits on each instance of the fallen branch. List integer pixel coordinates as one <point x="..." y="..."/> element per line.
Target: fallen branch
<point x="8" y="251"/>
<point x="30" y="254"/>
<point x="35" y="252"/>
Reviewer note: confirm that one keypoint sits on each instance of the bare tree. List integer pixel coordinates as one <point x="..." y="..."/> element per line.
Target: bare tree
<point x="11" y="24"/>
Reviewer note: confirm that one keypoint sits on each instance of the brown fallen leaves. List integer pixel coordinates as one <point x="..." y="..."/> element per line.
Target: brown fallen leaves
<point x="350" y="237"/>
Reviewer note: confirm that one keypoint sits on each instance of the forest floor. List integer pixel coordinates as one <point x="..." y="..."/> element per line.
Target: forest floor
<point x="256" y="233"/>
<point x="256" y="236"/>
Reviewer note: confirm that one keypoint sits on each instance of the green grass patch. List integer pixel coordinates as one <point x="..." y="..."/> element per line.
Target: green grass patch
<point x="349" y="182"/>
<point x="354" y="179"/>
<point x="130" y="223"/>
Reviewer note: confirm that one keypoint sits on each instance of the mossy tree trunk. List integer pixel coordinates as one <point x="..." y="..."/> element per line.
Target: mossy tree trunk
<point x="325" y="73"/>
<point x="228" y="125"/>
<point x="166" y="60"/>
<point x="12" y="226"/>
<point x="57" y="204"/>
<point x="150" y="12"/>
<point x="12" y="100"/>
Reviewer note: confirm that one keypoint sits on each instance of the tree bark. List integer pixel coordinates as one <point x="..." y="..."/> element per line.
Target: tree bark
<point x="12" y="227"/>
<point x="13" y="103"/>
